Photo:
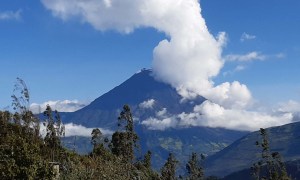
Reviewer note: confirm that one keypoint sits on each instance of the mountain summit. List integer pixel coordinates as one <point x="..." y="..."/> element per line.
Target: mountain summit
<point x="147" y="98"/>
<point x="142" y="92"/>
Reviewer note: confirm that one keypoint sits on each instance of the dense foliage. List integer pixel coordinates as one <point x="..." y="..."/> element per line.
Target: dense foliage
<point x="26" y="154"/>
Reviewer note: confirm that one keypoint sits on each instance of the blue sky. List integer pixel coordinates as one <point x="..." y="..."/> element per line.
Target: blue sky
<point x="69" y="59"/>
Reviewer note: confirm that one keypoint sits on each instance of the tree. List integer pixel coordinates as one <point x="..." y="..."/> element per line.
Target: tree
<point x="147" y="160"/>
<point x="96" y="137"/>
<point x="20" y="97"/>
<point x="124" y="142"/>
<point x="24" y="158"/>
<point x="168" y="171"/>
<point x="20" y="104"/>
<point x="55" y="130"/>
<point x="271" y="161"/>
<point x="194" y="169"/>
<point x="20" y="149"/>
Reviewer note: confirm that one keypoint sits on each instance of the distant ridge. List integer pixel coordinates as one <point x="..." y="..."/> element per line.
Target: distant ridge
<point x="243" y="153"/>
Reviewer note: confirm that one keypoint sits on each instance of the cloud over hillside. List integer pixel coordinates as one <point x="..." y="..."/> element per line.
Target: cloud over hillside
<point x="188" y="58"/>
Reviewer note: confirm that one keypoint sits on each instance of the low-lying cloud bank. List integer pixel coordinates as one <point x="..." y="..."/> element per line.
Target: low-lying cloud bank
<point x="60" y="106"/>
<point x="210" y="114"/>
<point x="77" y="130"/>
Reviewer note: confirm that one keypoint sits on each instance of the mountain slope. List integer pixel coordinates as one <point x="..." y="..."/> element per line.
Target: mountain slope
<point x="141" y="87"/>
<point x="292" y="168"/>
<point x="138" y="89"/>
<point x="243" y="153"/>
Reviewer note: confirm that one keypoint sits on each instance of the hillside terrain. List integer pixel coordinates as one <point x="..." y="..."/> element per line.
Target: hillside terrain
<point x="243" y="153"/>
<point x="143" y="87"/>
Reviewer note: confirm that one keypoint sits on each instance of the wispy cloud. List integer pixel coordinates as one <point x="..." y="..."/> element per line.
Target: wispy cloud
<point x="61" y="106"/>
<point x="10" y="15"/>
<point x="290" y="106"/>
<point x="245" y="36"/>
<point x="242" y="59"/>
<point x="238" y="68"/>
<point x="246" y="57"/>
<point x="280" y="55"/>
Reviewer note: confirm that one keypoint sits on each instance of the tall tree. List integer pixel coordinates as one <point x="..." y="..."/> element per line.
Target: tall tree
<point x="21" y="104"/>
<point x="124" y="142"/>
<point x="168" y="171"/>
<point x="147" y="160"/>
<point x="194" y="169"/>
<point x="20" y="148"/>
<point x="275" y="168"/>
<point x="96" y="137"/>
<point x="20" y="97"/>
<point x="54" y="131"/>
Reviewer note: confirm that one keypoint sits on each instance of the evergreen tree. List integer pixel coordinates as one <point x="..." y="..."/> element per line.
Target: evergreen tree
<point x="275" y="169"/>
<point x="96" y="137"/>
<point x="194" y="169"/>
<point x="168" y="171"/>
<point x="124" y="142"/>
<point x="147" y="160"/>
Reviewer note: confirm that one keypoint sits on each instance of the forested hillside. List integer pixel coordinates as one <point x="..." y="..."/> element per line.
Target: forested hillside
<point x="26" y="154"/>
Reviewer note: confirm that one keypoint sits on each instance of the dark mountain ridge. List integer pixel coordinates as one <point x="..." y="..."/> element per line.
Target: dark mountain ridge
<point x="243" y="153"/>
<point x="142" y="86"/>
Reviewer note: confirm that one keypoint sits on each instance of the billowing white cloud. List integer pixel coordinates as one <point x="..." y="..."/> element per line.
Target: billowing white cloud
<point x="214" y="115"/>
<point x="160" y="124"/>
<point x="230" y="95"/>
<point x="209" y="114"/>
<point x="246" y="57"/>
<point x="148" y="104"/>
<point x="188" y="59"/>
<point x="246" y="36"/>
<point x="61" y="106"/>
<point x="76" y="130"/>
<point x="10" y="15"/>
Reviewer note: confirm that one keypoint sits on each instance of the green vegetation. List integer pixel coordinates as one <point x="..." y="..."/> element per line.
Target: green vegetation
<point x="194" y="169"/>
<point x="275" y="168"/>
<point x="25" y="154"/>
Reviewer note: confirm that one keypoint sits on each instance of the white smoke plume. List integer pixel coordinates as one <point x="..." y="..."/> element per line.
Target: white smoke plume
<point x="188" y="59"/>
